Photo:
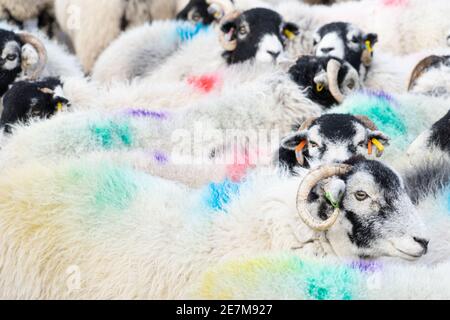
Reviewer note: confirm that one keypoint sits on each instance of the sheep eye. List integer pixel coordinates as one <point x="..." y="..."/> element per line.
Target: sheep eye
<point x="196" y="17"/>
<point x="319" y="87"/>
<point x="313" y="144"/>
<point x="355" y="40"/>
<point x="11" y="57"/>
<point x="361" y="195"/>
<point x="362" y="144"/>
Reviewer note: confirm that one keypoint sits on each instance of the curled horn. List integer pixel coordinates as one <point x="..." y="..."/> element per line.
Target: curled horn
<point x="367" y="122"/>
<point x="228" y="44"/>
<point x="308" y="183"/>
<point x="333" y="68"/>
<point x="422" y="67"/>
<point x="307" y="123"/>
<point x="28" y="38"/>
<point x="226" y="6"/>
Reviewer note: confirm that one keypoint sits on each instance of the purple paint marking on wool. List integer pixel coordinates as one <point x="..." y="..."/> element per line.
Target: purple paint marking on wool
<point x="160" y="157"/>
<point x="141" y="113"/>
<point x="366" y="266"/>
<point x="380" y="95"/>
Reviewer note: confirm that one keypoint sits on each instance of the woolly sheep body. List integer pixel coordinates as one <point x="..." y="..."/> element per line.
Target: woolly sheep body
<point x="100" y="22"/>
<point x="23" y="10"/>
<point x="140" y="50"/>
<point x="77" y="214"/>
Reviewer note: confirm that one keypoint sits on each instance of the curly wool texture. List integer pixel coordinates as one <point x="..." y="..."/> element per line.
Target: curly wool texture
<point x="289" y="277"/>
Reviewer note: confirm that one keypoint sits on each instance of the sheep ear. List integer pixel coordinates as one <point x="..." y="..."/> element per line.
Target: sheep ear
<point x="371" y="38"/>
<point x="292" y="141"/>
<point x="290" y="30"/>
<point x="334" y="190"/>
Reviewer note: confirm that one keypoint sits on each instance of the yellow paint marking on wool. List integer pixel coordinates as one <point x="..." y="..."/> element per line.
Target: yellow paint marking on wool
<point x="369" y="46"/>
<point x="378" y="144"/>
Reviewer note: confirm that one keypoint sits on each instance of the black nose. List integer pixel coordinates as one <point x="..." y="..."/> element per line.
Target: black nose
<point x="326" y="50"/>
<point x="275" y="55"/>
<point x="424" y="243"/>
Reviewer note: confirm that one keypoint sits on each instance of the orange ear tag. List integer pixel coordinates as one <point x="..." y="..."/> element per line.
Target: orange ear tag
<point x="299" y="149"/>
<point x="369" y="147"/>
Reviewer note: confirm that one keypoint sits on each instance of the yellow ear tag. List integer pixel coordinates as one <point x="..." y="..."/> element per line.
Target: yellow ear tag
<point x="319" y="87"/>
<point x="378" y="144"/>
<point x="289" y="34"/>
<point x="59" y="107"/>
<point x="369" y="46"/>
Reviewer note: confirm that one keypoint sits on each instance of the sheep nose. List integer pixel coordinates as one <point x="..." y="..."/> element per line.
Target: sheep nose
<point x="275" y="55"/>
<point x="326" y="50"/>
<point x="424" y="243"/>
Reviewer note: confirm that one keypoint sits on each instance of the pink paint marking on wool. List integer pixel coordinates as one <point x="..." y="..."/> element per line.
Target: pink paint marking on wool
<point x="205" y="83"/>
<point x="395" y="3"/>
<point x="237" y="171"/>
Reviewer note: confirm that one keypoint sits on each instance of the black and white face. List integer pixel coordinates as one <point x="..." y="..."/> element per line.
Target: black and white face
<point x="10" y="59"/>
<point x="344" y="41"/>
<point x="310" y="73"/>
<point x="197" y="11"/>
<point x="377" y="216"/>
<point x="26" y="100"/>
<point x="332" y="138"/>
<point x="261" y="34"/>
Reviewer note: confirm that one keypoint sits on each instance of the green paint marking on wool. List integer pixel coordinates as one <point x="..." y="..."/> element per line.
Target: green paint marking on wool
<point x="103" y="188"/>
<point x="112" y="135"/>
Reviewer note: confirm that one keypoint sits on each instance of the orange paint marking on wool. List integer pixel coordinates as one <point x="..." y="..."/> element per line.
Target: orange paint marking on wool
<point x="205" y="83"/>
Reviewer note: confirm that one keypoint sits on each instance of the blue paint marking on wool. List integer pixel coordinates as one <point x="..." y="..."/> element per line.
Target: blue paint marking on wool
<point x="187" y="32"/>
<point x="217" y="196"/>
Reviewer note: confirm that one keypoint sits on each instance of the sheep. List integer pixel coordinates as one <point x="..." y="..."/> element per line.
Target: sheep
<point x="390" y="20"/>
<point x="331" y="138"/>
<point x="380" y="71"/>
<point x="93" y="25"/>
<point x="430" y="76"/>
<point x="179" y="234"/>
<point x="256" y="34"/>
<point x="21" y="12"/>
<point x="29" y="56"/>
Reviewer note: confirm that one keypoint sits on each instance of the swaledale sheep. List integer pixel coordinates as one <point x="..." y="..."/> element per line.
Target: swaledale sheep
<point x="30" y="56"/>
<point x="391" y="20"/>
<point x="93" y="25"/>
<point x="377" y="70"/>
<point x="83" y="226"/>
<point x="256" y="34"/>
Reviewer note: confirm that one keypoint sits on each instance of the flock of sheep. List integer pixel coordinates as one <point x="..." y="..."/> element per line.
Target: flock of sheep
<point x="224" y="149"/>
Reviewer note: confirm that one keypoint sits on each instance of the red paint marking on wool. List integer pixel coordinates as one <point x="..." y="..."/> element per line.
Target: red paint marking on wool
<point x="395" y="3"/>
<point x="205" y="83"/>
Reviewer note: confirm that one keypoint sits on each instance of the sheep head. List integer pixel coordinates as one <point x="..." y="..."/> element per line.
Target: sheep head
<point x="364" y="209"/>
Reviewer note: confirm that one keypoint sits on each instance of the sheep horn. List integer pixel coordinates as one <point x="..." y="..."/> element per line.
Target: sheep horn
<point x="226" y="6"/>
<point x="422" y="67"/>
<point x="367" y="122"/>
<point x="307" y="123"/>
<point x="227" y="44"/>
<point x="308" y="183"/>
<point x="40" y="48"/>
<point x="333" y="68"/>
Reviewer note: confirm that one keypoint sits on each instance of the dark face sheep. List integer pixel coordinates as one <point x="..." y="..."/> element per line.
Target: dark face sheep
<point x="26" y="100"/>
<point x="322" y="84"/>
<point x="347" y="42"/>
<point x="17" y="53"/>
<point x="259" y="34"/>
<point x="364" y="208"/>
<point x="332" y="138"/>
